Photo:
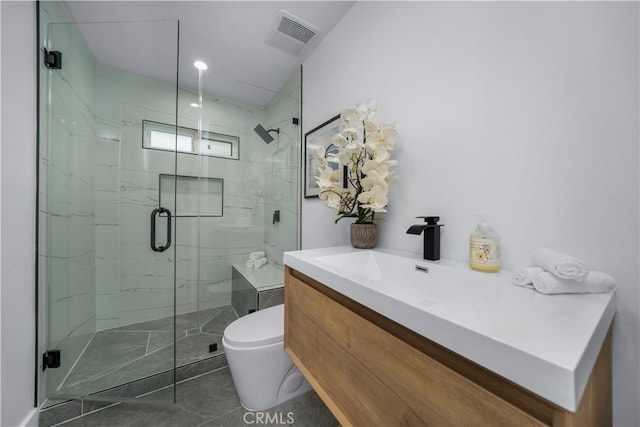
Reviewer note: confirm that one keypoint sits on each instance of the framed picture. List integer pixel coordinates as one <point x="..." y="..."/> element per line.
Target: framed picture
<point x="318" y="136"/>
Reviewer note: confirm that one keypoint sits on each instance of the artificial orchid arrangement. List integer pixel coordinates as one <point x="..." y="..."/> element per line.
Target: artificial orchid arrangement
<point x="364" y="147"/>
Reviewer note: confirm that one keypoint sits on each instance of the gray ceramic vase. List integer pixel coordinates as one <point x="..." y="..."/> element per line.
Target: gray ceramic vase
<point x="363" y="236"/>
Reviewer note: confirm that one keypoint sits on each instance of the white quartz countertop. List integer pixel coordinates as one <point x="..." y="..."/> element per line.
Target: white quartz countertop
<point x="547" y="344"/>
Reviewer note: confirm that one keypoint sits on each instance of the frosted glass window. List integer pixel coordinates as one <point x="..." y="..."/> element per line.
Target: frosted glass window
<point x="161" y="136"/>
<point x="166" y="141"/>
<point x="216" y="148"/>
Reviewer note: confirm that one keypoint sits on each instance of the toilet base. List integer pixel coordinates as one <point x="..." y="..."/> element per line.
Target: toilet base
<point x="264" y="377"/>
<point x="293" y="385"/>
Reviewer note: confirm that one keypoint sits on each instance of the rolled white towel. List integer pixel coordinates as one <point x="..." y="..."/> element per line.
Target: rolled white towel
<point x="259" y="262"/>
<point x="250" y="263"/>
<point x="523" y="276"/>
<point x="563" y="266"/>
<point x="256" y="255"/>
<point x="595" y="282"/>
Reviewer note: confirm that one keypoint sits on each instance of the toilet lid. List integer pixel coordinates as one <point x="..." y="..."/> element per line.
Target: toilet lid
<point x="257" y="329"/>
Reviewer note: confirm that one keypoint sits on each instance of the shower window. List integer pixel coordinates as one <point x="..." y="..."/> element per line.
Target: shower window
<point x="161" y="136"/>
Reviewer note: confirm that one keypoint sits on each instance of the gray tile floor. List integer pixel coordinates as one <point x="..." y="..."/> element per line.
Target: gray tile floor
<point x="208" y="400"/>
<point x="132" y="352"/>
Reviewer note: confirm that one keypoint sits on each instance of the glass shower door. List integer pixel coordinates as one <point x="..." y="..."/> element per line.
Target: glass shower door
<point x="107" y="257"/>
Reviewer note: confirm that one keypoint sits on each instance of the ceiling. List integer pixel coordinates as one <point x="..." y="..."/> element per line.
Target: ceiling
<point x="228" y="35"/>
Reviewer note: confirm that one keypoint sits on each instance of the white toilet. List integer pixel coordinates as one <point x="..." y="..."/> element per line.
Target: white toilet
<point x="262" y="372"/>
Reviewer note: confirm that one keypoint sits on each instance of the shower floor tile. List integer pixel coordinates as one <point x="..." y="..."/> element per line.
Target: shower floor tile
<point x="131" y="352"/>
<point x="207" y="400"/>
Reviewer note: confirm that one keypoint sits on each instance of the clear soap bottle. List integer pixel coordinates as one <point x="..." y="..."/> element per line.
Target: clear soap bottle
<point x="484" y="248"/>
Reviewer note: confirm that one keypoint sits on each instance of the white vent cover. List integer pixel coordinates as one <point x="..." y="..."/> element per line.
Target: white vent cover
<point x="291" y="34"/>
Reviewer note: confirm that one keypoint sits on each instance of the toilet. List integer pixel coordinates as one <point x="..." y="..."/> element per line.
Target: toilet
<point x="262" y="372"/>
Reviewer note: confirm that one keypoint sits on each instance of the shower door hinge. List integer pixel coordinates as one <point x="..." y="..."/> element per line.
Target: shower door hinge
<point x="51" y="359"/>
<point x="53" y="59"/>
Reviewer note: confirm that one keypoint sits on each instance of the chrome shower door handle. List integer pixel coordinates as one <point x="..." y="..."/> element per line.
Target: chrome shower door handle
<point x="154" y="215"/>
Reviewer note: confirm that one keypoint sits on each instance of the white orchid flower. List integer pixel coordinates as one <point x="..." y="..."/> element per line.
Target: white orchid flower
<point x="365" y="110"/>
<point x="349" y="114"/>
<point x="385" y="136"/>
<point x="338" y="139"/>
<point x="321" y="162"/>
<point x="333" y="200"/>
<point x="370" y="126"/>
<point x="346" y="157"/>
<point x="328" y="177"/>
<point x="364" y="149"/>
<point x="370" y="165"/>
<point x="317" y="150"/>
<point x="351" y="132"/>
<point x="374" y="199"/>
<point x="381" y="154"/>
<point x="373" y="180"/>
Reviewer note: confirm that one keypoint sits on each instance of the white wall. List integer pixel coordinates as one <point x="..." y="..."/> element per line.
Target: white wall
<point x="0" y="229"/>
<point x="18" y="211"/>
<point x="527" y="112"/>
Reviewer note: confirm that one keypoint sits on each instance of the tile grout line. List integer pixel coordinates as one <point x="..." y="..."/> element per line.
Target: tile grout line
<point x="75" y="363"/>
<point x="184" y="381"/>
<point x="117" y="368"/>
<point x="88" y="413"/>
<point x="82" y="401"/>
<point x="219" y="416"/>
<point x="137" y="359"/>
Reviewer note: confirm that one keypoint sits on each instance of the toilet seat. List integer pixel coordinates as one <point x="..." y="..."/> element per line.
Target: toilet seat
<point x="257" y="329"/>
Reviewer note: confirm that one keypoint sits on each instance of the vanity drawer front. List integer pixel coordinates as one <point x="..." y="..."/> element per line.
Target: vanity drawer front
<point x="367" y="376"/>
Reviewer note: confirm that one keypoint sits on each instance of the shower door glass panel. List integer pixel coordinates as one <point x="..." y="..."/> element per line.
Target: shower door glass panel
<point x="263" y="180"/>
<point x="109" y="275"/>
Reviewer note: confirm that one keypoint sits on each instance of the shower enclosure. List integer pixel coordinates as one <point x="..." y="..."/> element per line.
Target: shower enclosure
<point x="152" y="194"/>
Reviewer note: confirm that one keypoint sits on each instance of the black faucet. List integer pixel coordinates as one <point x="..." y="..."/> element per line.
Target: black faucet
<point x="431" y="236"/>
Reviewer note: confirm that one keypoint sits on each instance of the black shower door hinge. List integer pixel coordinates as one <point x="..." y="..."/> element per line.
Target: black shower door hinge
<point x="51" y="359"/>
<point x="53" y="59"/>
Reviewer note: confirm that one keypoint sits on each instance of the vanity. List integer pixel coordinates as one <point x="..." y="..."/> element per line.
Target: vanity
<point x="386" y="338"/>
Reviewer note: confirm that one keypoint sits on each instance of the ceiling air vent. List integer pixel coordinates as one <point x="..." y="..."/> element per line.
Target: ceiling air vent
<point x="291" y="34"/>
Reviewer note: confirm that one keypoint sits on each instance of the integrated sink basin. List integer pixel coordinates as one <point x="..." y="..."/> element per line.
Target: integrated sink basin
<point x="371" y="265"/>
<point x="546" y="344"/>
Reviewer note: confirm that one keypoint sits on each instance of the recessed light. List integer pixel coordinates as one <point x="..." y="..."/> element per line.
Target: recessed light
<point x="194" y="105"/>
<point x="200" y="65"/>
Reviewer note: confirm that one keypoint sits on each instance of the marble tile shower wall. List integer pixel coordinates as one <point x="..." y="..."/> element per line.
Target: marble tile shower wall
<point x="228" y="239"/>
<point x="282" y="172"/>
<point x="133" y="283"/>
<point x="67" y="199"/>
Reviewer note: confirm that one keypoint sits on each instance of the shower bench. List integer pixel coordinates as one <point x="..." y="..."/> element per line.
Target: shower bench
<point x="256" y="288"/>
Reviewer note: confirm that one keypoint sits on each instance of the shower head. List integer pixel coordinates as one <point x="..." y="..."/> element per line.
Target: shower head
<point x="264" y="134"/>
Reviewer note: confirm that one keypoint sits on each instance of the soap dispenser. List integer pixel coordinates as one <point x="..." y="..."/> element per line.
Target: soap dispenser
<point x="484" y="248"/>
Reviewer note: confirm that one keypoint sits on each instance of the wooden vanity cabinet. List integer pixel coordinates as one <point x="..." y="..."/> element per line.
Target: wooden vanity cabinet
<point x="370" y="371"/>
